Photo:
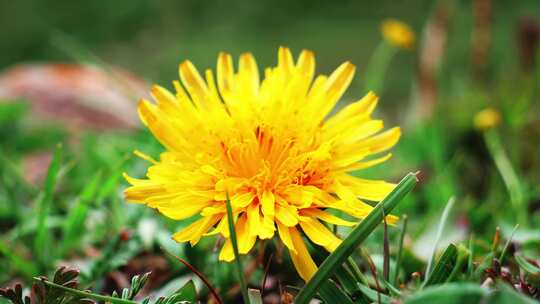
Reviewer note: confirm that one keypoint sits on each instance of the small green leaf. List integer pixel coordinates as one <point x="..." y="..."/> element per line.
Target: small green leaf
<point x="188" y="292"/>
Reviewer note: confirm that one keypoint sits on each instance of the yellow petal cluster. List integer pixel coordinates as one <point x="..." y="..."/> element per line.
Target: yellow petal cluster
<point x="398" y="33"/>
<point x="270" y="146"/>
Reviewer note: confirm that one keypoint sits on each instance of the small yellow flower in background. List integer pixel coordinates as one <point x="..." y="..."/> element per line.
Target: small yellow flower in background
<point x="487" y="119"/>
<point x="398" y="33"/>
<point x="268" y="146"/>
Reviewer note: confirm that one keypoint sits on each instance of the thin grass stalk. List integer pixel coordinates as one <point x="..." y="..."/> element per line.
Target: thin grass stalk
<point x="199" y="274"/>
<point x="400" y="248"/>
<point x="386" y="245"/>
<point x="470" y="264"/>
<point x="42" y="246"/>
<point x="507" y="244"/>
<point x="508" y="174"/>
<point x="442" y="223"/>
<point x="85" y="294"/>
<point x="234" y="242"/>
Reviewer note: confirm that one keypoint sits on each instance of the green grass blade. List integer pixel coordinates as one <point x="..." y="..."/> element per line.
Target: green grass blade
<point x="374" y="296"/>
<point x="86" y="294"/>
<point x="462" y="258"/>
<point x="505" y="248"/>
<point x="508" y="174"/>
<point x="232" y="232"/>
<point x="74" y="224"/>
<point x="444" y="266"/>
<point x="355" y="238"/>
<point x="42" y="246"/>
<point x="444" y="218"/>
<point x="400" y="249"/>
<point x="392" y="289"/>
<point x="470" y="262"/>
<point x="25" y="267"/>
<point x="348" y="282"/>
<point x="526" y="266"/>
<point x="355" y="270"/>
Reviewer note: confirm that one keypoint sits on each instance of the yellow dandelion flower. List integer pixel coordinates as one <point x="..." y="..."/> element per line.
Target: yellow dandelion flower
<point x="398" y="33"/>
<point x="268" y="146"/>
<point x="486" y="119"/>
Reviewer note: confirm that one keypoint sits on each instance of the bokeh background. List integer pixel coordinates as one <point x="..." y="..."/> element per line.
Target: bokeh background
<point x="71" y="72"/>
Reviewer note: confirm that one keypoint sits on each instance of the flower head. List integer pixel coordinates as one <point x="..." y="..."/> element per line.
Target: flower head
<point x="267" y="145"/>
<point x="486" y="119"/>
<point x="398" y="33"/>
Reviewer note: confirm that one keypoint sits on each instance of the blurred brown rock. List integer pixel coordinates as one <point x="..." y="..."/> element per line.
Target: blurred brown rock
<point x="75" y="95"/>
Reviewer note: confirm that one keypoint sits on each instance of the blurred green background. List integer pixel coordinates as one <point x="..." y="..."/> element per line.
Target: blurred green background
<point x="150" y="38"/>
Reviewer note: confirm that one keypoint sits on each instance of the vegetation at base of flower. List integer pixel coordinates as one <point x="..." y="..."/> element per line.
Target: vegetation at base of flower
<point x="468" y="227"/>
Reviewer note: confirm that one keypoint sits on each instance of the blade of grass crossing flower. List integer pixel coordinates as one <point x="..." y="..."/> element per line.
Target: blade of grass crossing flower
<point x="234" y="242"/>
<point x="355" y="238"/>
<point x="442" y="223"/>
<point x="42" y="247"/>
<point x="86" y="294"/>
<point x="405" y="219"/>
